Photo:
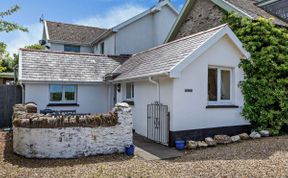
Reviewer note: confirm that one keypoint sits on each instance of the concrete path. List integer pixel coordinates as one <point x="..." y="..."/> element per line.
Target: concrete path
<point x="150" y="150"/>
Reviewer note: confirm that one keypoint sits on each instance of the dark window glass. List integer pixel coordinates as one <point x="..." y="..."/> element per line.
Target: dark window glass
<point x="70" y="92"/>
<point x="102" y="46"/>
<point x="212" y="84"/>
<point x="55" y="92"/>
<point x="225" y="85"/>
<point x="71" y="48"/>
<point x="129" y="91"/>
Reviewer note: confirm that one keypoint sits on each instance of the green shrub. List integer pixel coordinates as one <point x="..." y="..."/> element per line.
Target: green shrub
<point x="265" y="87"/>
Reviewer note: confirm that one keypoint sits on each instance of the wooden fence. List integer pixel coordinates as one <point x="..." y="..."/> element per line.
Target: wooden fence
<point x="9" y="95"/>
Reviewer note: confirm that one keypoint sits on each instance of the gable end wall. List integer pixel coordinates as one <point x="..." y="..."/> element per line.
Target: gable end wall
<point x="203" y="16"/>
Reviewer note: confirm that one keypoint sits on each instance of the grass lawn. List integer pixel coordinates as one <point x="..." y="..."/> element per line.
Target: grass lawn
<point x="267" y="157"/>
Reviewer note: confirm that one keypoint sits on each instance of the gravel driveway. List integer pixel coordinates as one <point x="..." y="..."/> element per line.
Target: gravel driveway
<point x="266" y="157"/>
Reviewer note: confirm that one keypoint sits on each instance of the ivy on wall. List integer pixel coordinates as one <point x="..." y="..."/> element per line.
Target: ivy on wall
<point x="265" y="87"/>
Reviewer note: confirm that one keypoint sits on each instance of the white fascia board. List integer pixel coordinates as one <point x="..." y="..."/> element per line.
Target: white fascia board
<point x="175" y="72"/>
<point x="46" y="30"/>
<point x="230" y="7"/>
<point x="170" y="5"/>
<point x="133" y="19"/>
<point x="266" y="2"/>
<point x="20" y="66"/>
<point x="177" y="21"/>
<point x="142" y="76"/>
<point x="29" y="81"/>
<point x="143" y="14"/>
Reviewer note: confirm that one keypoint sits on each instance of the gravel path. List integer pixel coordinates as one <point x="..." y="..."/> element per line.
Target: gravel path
<point x="266" y="157"/>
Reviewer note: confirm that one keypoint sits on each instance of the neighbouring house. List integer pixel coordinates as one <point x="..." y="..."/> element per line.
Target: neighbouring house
<point x="150" y="28"/>
<point x="6" y="78"/>
<point x="199" y="15"/>
<point x="277" y="7"/>
<point x="195" y="79"/>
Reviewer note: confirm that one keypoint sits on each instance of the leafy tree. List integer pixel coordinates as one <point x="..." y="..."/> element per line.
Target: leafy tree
<point x="6" y="26"/>
<point x="265" y="87"/>
<point x="34" y="46"/>
<point x="6" y="62"/>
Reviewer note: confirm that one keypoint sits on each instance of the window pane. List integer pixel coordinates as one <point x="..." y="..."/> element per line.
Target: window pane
<point x="55" y="92"/>
<point x="102" y="48"/>
<point x="70" y="92"/>
<point x="132" y="88"/>
<point x="212" y="84"/>
<point x="72" y="48"/>
<point x="225" y="85"/>
<point x="128" y="91"/>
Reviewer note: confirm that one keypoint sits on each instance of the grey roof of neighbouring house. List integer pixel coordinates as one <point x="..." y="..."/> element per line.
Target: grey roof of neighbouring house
<point x="162" y="59"/>
<point x="41" y="66"/>
<point x="75" y="34"/>
<point x="251" y="8"/>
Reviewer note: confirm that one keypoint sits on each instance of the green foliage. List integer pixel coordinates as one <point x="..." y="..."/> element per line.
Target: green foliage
<point x="265" y="87"/>
<point x="7" y="63"/>
<point x="6" y="26"/>
<point x="34" y="46"/>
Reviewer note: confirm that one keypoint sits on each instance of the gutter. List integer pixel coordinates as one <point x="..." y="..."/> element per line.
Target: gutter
<point x="158" y="88"/>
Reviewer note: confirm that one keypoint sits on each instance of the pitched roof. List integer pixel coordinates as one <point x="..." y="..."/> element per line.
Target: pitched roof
<point x="73" y="34"/>
<point x="164" y="58"/>
<point x="249" y="7"/>
<point x="52" y="66"/>
<point x="246" y="8"/>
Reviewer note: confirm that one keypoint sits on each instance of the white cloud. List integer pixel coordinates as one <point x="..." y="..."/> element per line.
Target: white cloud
<point x="16" y="40"/>
<point x="116" y="15"/>
<point x="113" y="17"/>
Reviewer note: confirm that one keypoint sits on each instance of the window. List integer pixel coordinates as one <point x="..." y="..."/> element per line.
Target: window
<point x="71" y="48"/>
<point x="102" y="48"/>
<point x="219" y="85"/>
<point x="62" y="93"/>
<point x="129" y="91"/>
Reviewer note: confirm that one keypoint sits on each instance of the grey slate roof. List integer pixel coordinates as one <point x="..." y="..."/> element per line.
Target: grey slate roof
<point x="162" y="59"/>
<point x="250" y="7"/>
<point x="65" y="67"/>
<point x="73" y="33"/>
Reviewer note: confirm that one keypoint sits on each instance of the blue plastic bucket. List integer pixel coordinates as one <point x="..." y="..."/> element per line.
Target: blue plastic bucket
<point x="130" y="150"/>
<point x="180" y="144"/>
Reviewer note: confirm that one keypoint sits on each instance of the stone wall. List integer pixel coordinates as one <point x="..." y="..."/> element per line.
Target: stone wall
<point x="73" y="142"/>
<point x="203" y="16"/>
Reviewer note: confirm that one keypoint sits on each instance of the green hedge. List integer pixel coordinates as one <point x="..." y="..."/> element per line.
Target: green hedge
<point x="265" y="87"/>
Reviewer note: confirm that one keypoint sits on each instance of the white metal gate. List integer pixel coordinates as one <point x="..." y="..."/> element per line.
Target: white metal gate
<point x="158" y="123"/>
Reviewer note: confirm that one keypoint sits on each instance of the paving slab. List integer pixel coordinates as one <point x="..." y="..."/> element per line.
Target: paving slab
<point x="150" y="150"/>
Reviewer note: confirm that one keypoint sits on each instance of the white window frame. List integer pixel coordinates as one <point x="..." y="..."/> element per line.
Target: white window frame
<point x="219" y="100"/>
<point x="131" y="98"/>
<point x="63" y="100"/>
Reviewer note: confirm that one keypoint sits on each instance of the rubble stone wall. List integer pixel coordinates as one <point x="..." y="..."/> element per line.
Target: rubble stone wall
<point x="73" y="142"/>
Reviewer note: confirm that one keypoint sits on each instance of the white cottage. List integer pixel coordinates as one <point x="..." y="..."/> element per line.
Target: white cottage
<point x="194" y="78"/>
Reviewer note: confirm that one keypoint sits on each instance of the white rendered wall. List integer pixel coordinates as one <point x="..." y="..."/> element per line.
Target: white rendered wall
<point x="91" y="98"/>
<point x="60" y="47"/>
<point x="140" y="35"/>
<point x="109" y="45"/>
<point x="146" y="93"/>
<point x="189" y="109"/>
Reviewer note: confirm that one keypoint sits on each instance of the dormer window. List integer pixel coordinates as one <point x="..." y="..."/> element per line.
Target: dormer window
<point x="72" y="48"/>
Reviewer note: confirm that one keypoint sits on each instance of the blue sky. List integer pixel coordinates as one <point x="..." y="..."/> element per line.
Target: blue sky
<point x="101" y="13"/>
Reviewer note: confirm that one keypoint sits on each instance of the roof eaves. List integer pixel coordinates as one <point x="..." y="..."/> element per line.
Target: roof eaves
<point x="102" y="36"/>
<point x="68" y="42"/>
<point x="175" y="72"/>
<point x="162" y="73"/>
<point x="230" y="7"/>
